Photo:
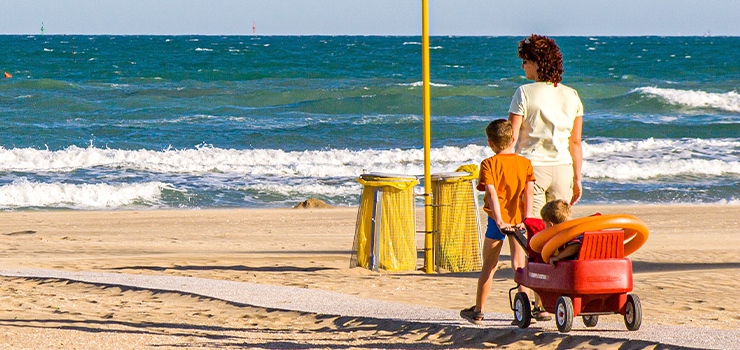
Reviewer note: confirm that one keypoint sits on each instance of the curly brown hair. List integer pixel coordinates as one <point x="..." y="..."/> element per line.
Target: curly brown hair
<point x="546" y="54"/>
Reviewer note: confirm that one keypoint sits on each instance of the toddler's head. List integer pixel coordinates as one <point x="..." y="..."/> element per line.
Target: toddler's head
<point x="555" y="212"/>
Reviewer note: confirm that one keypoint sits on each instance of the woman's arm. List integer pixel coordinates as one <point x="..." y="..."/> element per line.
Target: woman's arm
<point x="529" y="199"/>
<point x="576" y="153"/>
<point x="516" y="123"/>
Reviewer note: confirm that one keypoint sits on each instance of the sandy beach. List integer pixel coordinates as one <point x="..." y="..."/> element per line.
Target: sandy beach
<point x="685" y="275"/>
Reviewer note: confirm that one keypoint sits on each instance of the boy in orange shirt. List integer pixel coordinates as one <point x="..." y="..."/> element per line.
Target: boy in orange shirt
<point x="508" y="182"/>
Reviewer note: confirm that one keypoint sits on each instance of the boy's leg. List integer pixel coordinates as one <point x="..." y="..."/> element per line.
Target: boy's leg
<point x="491" y="251"/>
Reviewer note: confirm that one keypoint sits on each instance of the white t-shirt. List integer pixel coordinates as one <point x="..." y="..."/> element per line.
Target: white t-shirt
<point x="548" y="113"/>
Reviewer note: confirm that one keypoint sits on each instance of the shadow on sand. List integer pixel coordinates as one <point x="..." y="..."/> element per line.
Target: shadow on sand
<point x="226" y="268"/>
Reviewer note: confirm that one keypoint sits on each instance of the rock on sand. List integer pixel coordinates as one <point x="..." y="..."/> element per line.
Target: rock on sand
<point x="313" y="203"/>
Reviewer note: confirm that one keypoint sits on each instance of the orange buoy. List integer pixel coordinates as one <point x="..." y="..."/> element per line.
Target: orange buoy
<point x="7" y="75"/>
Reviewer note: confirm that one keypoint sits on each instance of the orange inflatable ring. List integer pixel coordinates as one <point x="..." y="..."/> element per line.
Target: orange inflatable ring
<point x="548" y="240"/>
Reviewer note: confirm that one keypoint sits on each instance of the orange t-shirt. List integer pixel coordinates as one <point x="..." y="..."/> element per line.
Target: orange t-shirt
<point x="509" y="174"/>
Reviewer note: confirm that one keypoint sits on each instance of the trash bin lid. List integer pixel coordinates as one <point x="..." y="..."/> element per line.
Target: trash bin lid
<point x="388" y="175"/>
<point x="449" y="175"/>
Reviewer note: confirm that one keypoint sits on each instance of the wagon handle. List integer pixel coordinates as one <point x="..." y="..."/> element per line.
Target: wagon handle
<point x="518" y="235"/>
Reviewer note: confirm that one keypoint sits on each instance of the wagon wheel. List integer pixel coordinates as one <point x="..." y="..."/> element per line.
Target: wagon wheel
<point x="564" y="314"/>
<point x="522" y="310"/>
<point x="591" y="321"/>
<point x="633" y="313"/>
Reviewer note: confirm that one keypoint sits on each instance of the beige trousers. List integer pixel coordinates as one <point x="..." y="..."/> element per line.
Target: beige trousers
<point x="551" y="183"/>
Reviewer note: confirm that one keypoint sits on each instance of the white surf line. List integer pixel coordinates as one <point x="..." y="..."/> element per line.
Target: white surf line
<point x="338" y="304"/>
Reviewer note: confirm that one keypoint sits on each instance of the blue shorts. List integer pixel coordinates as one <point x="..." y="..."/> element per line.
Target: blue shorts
<point x="493" y="232"/>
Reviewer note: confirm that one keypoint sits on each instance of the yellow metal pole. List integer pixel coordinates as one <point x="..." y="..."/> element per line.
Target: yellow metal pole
<point x="428" y="226"/>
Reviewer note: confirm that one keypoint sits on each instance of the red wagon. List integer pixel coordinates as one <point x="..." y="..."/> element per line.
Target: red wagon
<point x="595" y="284"/>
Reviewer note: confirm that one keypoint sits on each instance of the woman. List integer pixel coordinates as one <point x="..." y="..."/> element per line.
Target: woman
<point x="547" y="118"/>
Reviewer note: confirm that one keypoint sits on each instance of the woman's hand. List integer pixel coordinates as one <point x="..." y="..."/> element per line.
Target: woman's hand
<point x="576" y="154"/>
<point x="577" y="191"/>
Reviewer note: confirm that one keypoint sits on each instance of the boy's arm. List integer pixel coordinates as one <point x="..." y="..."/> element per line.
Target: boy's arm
<point x="493" y="203"/>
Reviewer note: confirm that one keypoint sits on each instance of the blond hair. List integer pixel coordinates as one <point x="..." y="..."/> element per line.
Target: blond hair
<point x="501" y="133"/>
<point x="555" y="212"/>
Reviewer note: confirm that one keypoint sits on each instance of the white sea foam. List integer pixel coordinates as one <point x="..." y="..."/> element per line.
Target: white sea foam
<point x="729" y="101"/>
<point x="616" y="159"/>
<point x="22" y="193"/>
<point x="304" y="190"/>
<point x="420" y="83"/>
<point x="320" y="163"/>
<point x="651" y="158"/>
<point x="629" y="170"/>
<point x="386" y="119"/>
<point x="640" y="149"/>
<point x="202" y="49"/>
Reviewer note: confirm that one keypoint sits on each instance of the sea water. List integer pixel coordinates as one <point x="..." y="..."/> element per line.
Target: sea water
<point x="109" y="122"/>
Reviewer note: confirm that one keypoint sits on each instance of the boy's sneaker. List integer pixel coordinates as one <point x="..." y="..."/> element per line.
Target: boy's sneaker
<point x="471" y="315"/>
<point x="539" y="314"/>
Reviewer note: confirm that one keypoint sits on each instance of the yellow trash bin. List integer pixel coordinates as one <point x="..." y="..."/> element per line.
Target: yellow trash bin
<point x="385" y="235"/>
<point x="457" y="226"/>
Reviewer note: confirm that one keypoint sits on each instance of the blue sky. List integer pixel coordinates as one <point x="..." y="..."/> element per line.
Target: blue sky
<point x="372" y="17"/>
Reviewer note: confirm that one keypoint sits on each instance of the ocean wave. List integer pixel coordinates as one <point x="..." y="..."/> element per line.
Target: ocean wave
<point x="319" y="163"/>
<point x="23" y="193"/>
<point x="723" y="149"/>
<point x="387" y="119"/>
<point x="307" y="189"/>
<point x="729" y="101"/>
<point x="650" y="158"/>
<point x="44" y="84"/>
<point x="603" y="158"/>
<point x="643" y="169"/>
<point x="421" y="83"/>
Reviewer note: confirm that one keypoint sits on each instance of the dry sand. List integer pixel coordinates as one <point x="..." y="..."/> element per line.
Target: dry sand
<point x="686" y="274"/>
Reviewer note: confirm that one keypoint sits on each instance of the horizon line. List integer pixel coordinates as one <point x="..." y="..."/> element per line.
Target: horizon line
<point x="388" y="35"/>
